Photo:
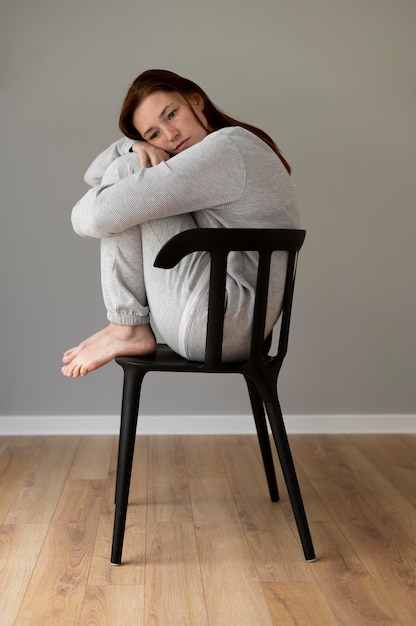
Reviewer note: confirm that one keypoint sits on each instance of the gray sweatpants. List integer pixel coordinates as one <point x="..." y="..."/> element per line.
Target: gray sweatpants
<point x="133" y="288"/>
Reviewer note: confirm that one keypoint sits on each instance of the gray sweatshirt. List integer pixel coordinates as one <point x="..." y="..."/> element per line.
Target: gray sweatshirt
<point x="229" y="179"/>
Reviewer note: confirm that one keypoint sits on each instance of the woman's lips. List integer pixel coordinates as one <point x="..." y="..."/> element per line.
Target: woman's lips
<point x="180" y="146"/>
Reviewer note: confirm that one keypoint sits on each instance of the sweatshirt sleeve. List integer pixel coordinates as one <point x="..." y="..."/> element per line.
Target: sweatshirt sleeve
<point x="95" y="172"/>
<point x="207" y="175"/>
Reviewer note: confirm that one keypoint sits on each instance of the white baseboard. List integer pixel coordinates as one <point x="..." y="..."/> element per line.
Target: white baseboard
<point x="202" y="424"/>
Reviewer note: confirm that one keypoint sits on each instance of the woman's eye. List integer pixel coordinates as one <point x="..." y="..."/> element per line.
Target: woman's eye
<point x="172" y="114"/>
<point x="154" y="135"/>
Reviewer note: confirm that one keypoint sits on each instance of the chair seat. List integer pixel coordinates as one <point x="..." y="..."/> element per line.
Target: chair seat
<point x="167" y="360"/>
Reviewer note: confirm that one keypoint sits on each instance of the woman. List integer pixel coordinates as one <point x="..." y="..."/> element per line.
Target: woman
<point x="184" y="164"/>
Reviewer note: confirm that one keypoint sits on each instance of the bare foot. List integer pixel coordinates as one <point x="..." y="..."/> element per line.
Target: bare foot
<point x="104" y="346"/>
<point x="72" y="352"/>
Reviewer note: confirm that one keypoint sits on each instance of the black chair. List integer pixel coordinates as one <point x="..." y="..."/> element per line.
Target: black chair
<point x="260" y="370"/>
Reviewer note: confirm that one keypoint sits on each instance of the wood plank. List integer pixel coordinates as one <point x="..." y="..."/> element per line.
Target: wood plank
<point x="317" y="455"/>
<point x="56" y="590"/>
<point x="28" y="441"/>
<point x="244" y="471"/>
<point x="20" y="545"/>
<point x="379" y="524"/>
<point x="36" y="501"/>
<point x="212" y="501"/>
<point x="352" y="594"/>
<point x="4" y="443"/>
<point x="112" y="605"/>
<point x="390" y="558"/>
<point x="203" y="457"/>
<point x="80" y="502"/>
<point x="273" y="541"/>
<point x="15" y="463"/>
<point x="168" y="487"/>
<point x="93" y="458"/>
<point x="394" y="462"/>
<point x="405" y="443"/>
<point x="297" y="603"/>
<point x="363" y="493"/>
<point x="174" y="591"/>
<point x="398" y="595"/>
<point x="326" y="461"/>
<point x="232" y="590"/>
<point x="360" y="601"/>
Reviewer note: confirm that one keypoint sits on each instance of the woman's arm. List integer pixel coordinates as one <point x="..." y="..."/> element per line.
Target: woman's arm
<point x="209" y="174"/>
<point x="148" y="156"/>
<point x="95" y="172"/>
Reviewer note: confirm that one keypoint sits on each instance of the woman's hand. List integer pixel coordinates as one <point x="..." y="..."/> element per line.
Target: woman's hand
<point x="149" y="155"/>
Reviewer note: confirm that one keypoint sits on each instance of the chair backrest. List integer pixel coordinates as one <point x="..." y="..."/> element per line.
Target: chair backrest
<point x="219" y="242"/>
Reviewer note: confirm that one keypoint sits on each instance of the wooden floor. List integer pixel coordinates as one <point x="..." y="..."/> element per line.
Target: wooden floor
<point x="204" y="545"/>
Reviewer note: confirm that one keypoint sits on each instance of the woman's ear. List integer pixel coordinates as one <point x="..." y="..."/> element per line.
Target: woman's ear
<point x="197" y="101"/>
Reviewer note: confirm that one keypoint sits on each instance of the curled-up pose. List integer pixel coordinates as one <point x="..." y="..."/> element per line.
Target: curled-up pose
<point x="181" y="164"/>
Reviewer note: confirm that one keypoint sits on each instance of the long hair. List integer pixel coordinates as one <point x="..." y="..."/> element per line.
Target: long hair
<point x="162" y="80"/>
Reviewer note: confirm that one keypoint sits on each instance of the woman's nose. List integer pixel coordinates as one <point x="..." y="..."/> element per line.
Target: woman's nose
<point x="172" y="133"/>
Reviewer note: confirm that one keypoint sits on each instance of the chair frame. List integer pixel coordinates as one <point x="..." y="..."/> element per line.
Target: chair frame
<point x="260" y="369"/>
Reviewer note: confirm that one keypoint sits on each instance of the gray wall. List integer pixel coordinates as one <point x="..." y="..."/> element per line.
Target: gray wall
<point x="333" y="82"/>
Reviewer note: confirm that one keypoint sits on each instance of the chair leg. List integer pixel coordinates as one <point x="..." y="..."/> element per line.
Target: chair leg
<point x="129" y="414"/>
<point x="264" y="440"/>
<point x="286" y="460"/>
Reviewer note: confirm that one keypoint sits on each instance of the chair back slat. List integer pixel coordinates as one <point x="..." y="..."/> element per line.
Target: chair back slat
<point x="260" y="306"/>
<point x="286" y="309"/>
<point x="216" y="309"/>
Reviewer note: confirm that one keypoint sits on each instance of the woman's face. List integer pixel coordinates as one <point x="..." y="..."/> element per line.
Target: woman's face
<point x="166" y="120"/>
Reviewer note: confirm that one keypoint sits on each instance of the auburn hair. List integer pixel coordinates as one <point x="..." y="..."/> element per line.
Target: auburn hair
<point x="163" y="80"/>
